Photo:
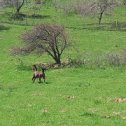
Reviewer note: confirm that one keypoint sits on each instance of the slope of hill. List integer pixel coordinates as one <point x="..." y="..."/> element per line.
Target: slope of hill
<point x="73" y="96"/>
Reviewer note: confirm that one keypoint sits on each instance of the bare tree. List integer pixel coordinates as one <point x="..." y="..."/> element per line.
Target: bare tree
<point x="18" y="4"/>
<point x="91" y="7"/>
<point x="46" y="38"/>
<point x="103" y="6"/>
<point x="98" y="7"/>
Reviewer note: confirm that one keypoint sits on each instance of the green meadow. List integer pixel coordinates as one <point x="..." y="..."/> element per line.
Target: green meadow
<point x="72" y="96"/>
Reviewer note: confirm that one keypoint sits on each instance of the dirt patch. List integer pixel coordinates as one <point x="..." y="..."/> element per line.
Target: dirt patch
<point x="70" y="97"/>
<point x="119" y="99"/>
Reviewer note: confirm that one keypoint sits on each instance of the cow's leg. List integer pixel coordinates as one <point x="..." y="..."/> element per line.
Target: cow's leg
<point x="44" y="78"/>
<point x="33" y="79"/>
<point x="39" y="79"/>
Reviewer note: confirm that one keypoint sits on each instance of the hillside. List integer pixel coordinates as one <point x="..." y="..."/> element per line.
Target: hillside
<point x="90" y="92"/>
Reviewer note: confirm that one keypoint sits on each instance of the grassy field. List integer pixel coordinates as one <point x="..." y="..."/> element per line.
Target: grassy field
<point x="72" y="96"/>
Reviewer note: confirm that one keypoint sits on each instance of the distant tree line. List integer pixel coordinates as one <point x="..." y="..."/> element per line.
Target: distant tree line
<point x="91" y="7"/>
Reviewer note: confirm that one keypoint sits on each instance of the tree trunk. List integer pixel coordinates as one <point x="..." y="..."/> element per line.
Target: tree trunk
<point x="17" y="11"/>
<point x="19" y="8"/>
<point x="100" y="17"/>
<point x="57" y="60"/>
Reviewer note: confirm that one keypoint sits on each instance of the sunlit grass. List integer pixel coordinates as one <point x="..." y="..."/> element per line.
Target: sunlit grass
<point x="72" y="96"/>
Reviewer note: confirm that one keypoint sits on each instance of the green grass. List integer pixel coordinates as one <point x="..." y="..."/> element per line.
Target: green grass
<point x="72" y="96"/>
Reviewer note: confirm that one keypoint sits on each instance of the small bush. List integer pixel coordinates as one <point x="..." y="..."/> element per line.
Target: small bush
<point x="118" y="25"/>
<point x="2" y="27"/>
<point x="20" y="50"/>
<point x="100" y="61"/>
<point x="75" y="6"/>
<point x="76" y="62"/>
<point x="114" y="59"/>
